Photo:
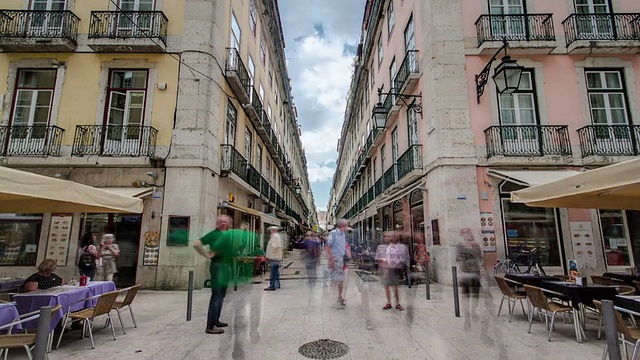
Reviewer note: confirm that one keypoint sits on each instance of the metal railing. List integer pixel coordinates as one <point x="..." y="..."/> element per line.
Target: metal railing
<point x="527" y="140"/>
<point x="34" y="140"/>
<point x="114" y="140"/>
<point x="233" y="161"/>
<point x="601" y="27"/>
<point x="253" y="177"/>
<point x="390" y="176"/>
<point x="272" y="194"/>
<point x="409" y="66"/>
<point x="515" y="27"/>
<point x="389" y="101"/>
<point x="609" y="140"/>
<point x="409" y="161"/>
<point x="234" y="64"/>
<point x="128" y="25"/>
<point x="256" y="103"/>
<point x="264" y="186"/>
<point x="39" y="24"/>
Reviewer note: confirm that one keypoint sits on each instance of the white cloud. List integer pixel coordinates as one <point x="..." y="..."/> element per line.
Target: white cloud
<point x="318" y="173"/>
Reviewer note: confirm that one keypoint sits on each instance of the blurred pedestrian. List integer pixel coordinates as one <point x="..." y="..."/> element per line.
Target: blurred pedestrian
<point x="311" y="256"/>
<point x="88" y="256"/>
<point x="393" y="258"/>
<point x="275" y="254"/>
<point x="221" y="255"/>
<point x="469" y="258"/>
<point x="336" y="252"/>
<point x="108" y="252"/>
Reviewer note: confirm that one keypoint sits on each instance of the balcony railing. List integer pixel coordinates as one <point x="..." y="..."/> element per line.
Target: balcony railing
<point x="409" y="66"/>
<point x="390" y="176"/>
<point x="256" y="103"/>
<point x="389" y="101"/>
<point x="35" y="140"/>
<point x="527" y="140"/>
<point x="272" y="194"/>
<point x="39" y="24"/>
<point x="235" y="66"/>
<point x="233" y="161"/>
<point x="253" y="176"/>
<point x="114" y="140"/>
<point x="128" y="25"/>
<point x="409" y="161"/>
<point x="264" y="187"/>
<point x="593" y="27"/>
<point x="515" y="27"/>
<point x="610" y="140"/>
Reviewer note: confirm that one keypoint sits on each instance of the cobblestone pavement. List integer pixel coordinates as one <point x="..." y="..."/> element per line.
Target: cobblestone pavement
<point x="273" y="325"/>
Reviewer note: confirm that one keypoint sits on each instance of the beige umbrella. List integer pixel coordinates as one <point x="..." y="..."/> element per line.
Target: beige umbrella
<point x="615" y="187"/>
<point x="25" y="192"/>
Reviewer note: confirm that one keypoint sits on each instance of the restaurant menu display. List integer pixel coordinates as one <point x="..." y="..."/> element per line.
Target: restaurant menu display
<point x="151" y="248"/>
<point x="59" y="235"/>
<point x="582" y="242"/>
<point x="488" y="232"/>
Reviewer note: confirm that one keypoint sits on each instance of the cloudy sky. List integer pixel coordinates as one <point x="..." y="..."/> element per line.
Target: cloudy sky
<point x="321" y="39"/>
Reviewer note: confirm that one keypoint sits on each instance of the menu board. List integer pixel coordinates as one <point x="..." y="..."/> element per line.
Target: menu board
<point x="583" y="244"/>
<point x="151" y="248"/>
<point x="488" y="232"/>
<point x="435" y="231"/>
<point x="59" y="235"/>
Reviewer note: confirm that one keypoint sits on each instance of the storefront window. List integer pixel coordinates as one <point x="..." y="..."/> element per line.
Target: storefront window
<point x="614" y="235"/>
<point x="417" y="218"/>
<point x="398" y="221"/>
<point x="19" y="236"/>
<point x="527" y="228"/>
<point x="633" y="220"/>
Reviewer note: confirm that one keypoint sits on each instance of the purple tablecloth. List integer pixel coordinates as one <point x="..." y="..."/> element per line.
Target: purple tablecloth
<point x="60" y="295"/>
<point x="11" y="284"/>
<point x="8" y="314"/>
<point x="100" y="287"/>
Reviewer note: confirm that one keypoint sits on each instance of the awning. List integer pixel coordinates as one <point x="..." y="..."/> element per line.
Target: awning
<point x="531" y="177"/>
<point x="240" y="208"/>
<point x="139" y="193"/>
<point x="268" y="219"/>
<point x="25" y="192"/>
<point x="286" y="217"/>
<point x="615" y="187"/>
<point x="370" y="212"/>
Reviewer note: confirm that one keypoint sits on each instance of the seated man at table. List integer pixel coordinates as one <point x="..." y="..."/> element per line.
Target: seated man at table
<point x="45" y="278"/>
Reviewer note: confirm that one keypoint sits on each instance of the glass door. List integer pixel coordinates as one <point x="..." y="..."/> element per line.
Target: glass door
<point x="136" y="17"/>
<point x="615" y="238"/>
<point x="518" y="119"/>
<point x="42" y="21"/>
<point x="608" y="105"/>
<point x="506" y="26"/>
<point x="593" y="20"/>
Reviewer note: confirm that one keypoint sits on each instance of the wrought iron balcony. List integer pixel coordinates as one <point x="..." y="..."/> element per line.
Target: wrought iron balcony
<point x="237" y="75"/>
<point x="128" y="31"/>
<point x="254" y="107"/>
<point x="272" y="194"/>
<point x="390" y="177"/>
<point x="605" y="27"/>
<point x="515" y="27"/>
<point x="408" y="71"/>
<point x="610" y="140"/>
<point x="409" y="161"/>
<point x="253" y="177"/>
<point x="527" y="140"/>
<point x="233" y="161"/>
<point x="34" y="30"/>
<point x="264" y="187"/>
<point x="114" y="140"/>
<point x="35" y="140"/>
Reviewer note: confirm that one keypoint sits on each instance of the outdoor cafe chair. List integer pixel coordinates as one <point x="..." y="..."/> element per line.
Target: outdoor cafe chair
<point x="603" y="280"/>
<point x="128" y="299"/>
<point x="512" y="296"/>
<point x="628" y="335"/>
<point x="637" y="284"/>
<point x="18" y="341"/>
<point x="27" y="330"/>
<point x="103" y="307"/>
<point x="625" y="289"/>
<point x="546" y="308"/>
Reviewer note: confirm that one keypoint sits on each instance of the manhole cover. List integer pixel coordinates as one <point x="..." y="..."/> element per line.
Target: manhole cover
<point x="324" y="349"/>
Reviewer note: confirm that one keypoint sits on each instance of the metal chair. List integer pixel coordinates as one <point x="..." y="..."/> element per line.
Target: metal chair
<point x="512" y="296"/>
<point x="628" y="335"/>
<point x="26" y="330"/>
<point x="103" y="307"/>
<point x="603" y="280"/>
<point x="128" y="299"/>
<point x="546" y="308"/>
<point x="625" y="289"/>
<point x="18" y="341"/>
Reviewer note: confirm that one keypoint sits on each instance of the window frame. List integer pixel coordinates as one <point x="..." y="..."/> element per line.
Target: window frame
<point x="623" y="90"/>
<point x="253" y="18"/>
<point x="532" y="91"/>
<point x="391" y="21"/>
<point x="17" y="88"/>
<point x="231" y="121"/>
<point x="380" y="50"/>
<point x="410" y="25"/>
<point x="232" y="35"/>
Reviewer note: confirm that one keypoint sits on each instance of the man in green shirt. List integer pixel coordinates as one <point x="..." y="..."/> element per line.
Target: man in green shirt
<point x="221" y="255"/>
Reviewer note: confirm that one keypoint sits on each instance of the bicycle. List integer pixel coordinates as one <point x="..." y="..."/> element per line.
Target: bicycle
<point x="512" y="263"/>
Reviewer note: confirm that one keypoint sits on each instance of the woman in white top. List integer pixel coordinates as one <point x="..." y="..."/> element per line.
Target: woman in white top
<point x="109" y="252"/>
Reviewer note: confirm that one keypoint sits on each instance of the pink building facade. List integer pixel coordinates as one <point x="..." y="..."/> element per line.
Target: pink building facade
<point x="576" y="108"/>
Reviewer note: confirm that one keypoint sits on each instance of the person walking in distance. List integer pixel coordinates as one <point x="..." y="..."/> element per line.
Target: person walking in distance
<point x="336" y="252"/>
<point x="275" y="254"/>
<point x="469" y="258"/>
<point x="221" y="254"/>
<point x="393" y="257"/>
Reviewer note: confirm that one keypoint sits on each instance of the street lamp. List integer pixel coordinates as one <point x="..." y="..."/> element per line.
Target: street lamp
<point x="298" y="189"/>
<point x="380" y="113"/>
<point x="507" y="74"/>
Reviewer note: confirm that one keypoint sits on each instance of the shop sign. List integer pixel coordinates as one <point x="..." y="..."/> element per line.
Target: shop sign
<point x="58" y="241"/>
<point x="487" y="229"/>
<point x="151" y="248"/>
<point x="583" y="244"/>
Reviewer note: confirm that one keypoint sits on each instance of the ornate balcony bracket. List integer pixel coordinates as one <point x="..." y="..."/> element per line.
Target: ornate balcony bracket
<point x="483" y="77"/>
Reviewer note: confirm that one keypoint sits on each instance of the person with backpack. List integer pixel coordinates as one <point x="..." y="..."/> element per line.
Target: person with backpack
<point x="88" y="255"/>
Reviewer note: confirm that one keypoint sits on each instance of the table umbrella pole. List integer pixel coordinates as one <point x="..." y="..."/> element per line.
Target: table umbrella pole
<point x="190" y="296"/>
<point x="611" y="332"/>
<point x="42" y="333"/>
<point x="456" y="299"/>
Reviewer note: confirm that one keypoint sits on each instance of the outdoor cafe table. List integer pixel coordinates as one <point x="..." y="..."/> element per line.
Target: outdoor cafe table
<point x="9" y="314"/>
<point x="8" y="284"/>
<point x="64" y="295"/>
<point x="627" y="278"/>
<point x="628" y="303"/>
<point x="531" y="279"/>
<point x="580" y="296"/>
